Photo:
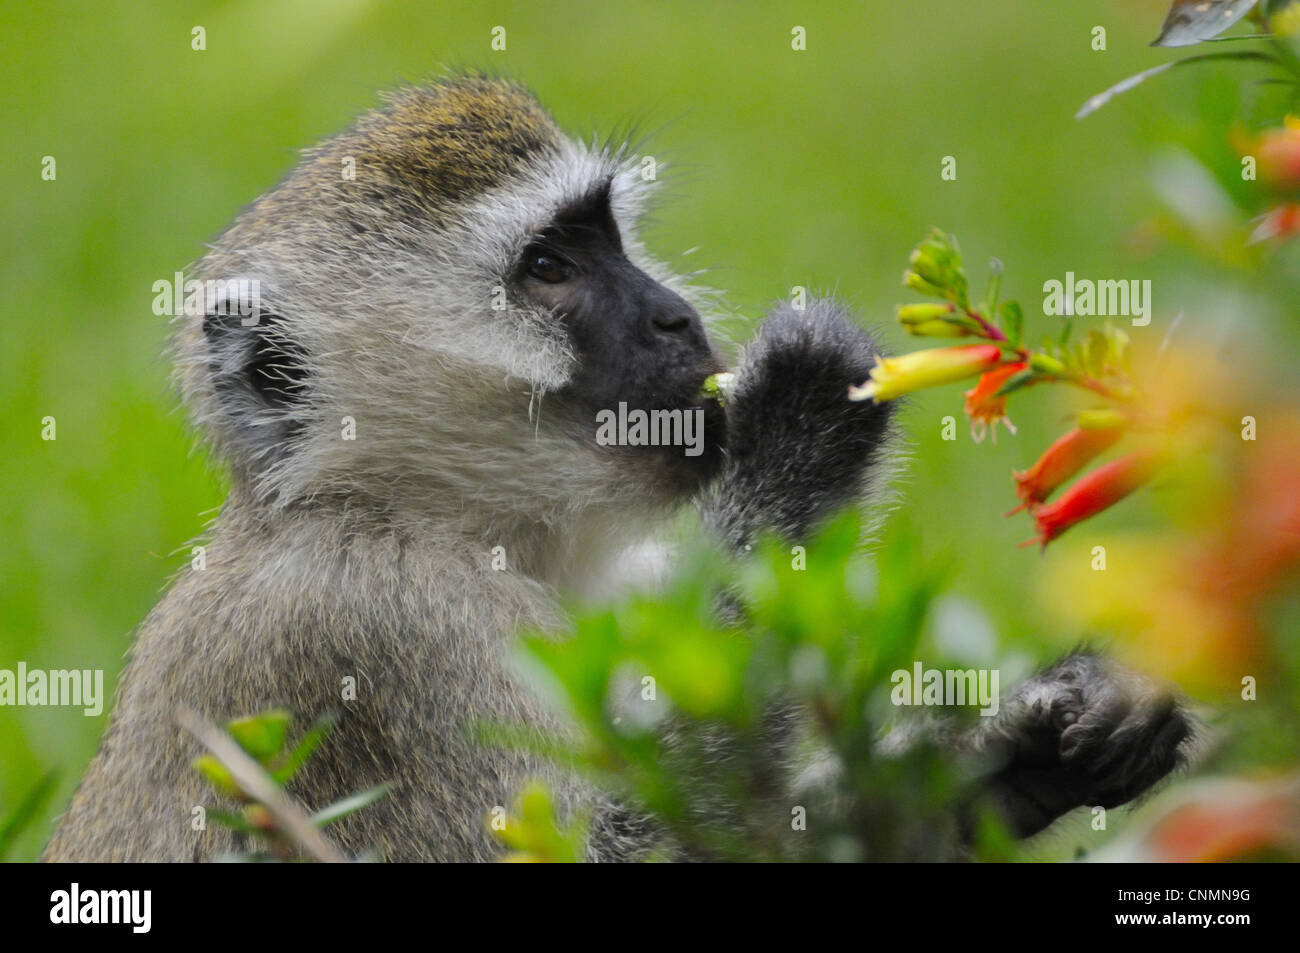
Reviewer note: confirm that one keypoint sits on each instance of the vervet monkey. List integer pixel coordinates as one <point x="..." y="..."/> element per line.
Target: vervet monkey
<point x="417" y="397"/>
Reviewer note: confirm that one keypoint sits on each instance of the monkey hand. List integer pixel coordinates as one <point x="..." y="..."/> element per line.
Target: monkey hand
<point x="797" y="447"/>
<point x="1084" y="732"/>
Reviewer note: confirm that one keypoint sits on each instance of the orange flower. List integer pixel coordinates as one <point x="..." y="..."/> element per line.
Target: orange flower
<point x="1278" y="154"/>
<point x="1230" y="819"/>
<point x="1090" y="495"/>
<point x="1062" y="460"/>
<point x="983" y="405"/>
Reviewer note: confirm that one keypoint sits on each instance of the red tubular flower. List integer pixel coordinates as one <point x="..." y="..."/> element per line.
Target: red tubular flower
<point x="983" y="405"/>
<point x="1062" y="460"/>
<point x="1100" y="489"/>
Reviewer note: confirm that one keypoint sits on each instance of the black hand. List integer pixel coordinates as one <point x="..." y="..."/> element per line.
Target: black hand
<point x="797" y="447"/>
<point x="1082" y="732"/>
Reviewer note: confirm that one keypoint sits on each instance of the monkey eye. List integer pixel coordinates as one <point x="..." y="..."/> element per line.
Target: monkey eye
<point x="548" y="268"/>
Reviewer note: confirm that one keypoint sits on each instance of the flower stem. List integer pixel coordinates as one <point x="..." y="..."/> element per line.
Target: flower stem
<point x="991" y="331"/>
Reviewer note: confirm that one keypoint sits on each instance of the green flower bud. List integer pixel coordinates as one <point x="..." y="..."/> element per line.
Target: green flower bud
<point x="929" y="266"/>
<point x="1046" y="364"/>
<point x="922" y="313"/>
<point x="919" y="284"/>
<point x="938" y="329"/>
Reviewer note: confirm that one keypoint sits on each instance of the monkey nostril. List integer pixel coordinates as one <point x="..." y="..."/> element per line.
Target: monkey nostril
<point x="672" y="323"/>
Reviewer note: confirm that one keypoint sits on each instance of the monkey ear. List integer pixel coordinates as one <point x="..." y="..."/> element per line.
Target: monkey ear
<point x="258" y="370"/>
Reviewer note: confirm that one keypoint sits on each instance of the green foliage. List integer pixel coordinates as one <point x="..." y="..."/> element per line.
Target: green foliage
<point x="264" y="737"/>
<point x="1191" y="22"/>
<point x="675" y="705"/>
<point x="1099" y="360"/>
<point x="533" y="835"/>
<point x="935" y="269"/>
<point x="348" y="805"/>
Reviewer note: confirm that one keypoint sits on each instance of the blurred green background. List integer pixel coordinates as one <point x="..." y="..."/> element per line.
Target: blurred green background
<point x="817" y="168"/>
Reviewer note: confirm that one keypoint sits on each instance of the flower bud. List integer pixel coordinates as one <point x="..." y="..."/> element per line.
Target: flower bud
<point x="1046" y="364"/>
<point x="934" y="320"/>
<point x="921" y="313"/>
<point x="1062" y="460"/>
<point x="1091" y="494"/>
<point x="929" y="265"/>
<point x="1278" y="154"/>
<point x="939" y="329"/>
<point x="919" y="284"/>
<point x="894" y="376"/>
<point x="1107" y="418"/>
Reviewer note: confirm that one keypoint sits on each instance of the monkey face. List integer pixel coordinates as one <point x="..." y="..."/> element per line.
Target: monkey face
<point x="642" y="352"/>
<point x="446" y="329"/>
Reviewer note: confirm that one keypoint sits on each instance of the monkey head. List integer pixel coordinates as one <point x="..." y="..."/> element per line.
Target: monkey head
<point x="460" y="284"/>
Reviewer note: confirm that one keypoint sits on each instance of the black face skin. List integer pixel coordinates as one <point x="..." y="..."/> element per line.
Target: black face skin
<point x="637" y="342"/>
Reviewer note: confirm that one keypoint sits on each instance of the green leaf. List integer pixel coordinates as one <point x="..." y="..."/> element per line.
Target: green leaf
<point x="233" y="821"/>
<point x="995" y="285"/>
<point x="534" y="834"/>
<point x="349" y="805"/>
<point x="26" y="810"/>
<point x="1124" y="85"/>
<point x="1013" y="322"/>
<point x="1077" y="356"/>
<point x="1097" y="348"/>
<point x="1018" y="380"/>
<point x="959" y="290"/>
<point x="1117" y="347"/>
<point x="818" y="625"/>
<point x="1192" y="21"/>
<point x="262" y="735"/>
<point x="317" y="733"/>
<point x="216" y="774"/>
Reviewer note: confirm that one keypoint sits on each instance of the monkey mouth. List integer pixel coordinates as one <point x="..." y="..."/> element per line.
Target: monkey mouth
<point x="678" y="444"/>
<point x="720" y="387"/>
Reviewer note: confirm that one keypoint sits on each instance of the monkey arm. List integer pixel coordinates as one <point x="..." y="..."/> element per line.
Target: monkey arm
<point x="797" y="447"/>
<point x="1082" y="732"/>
